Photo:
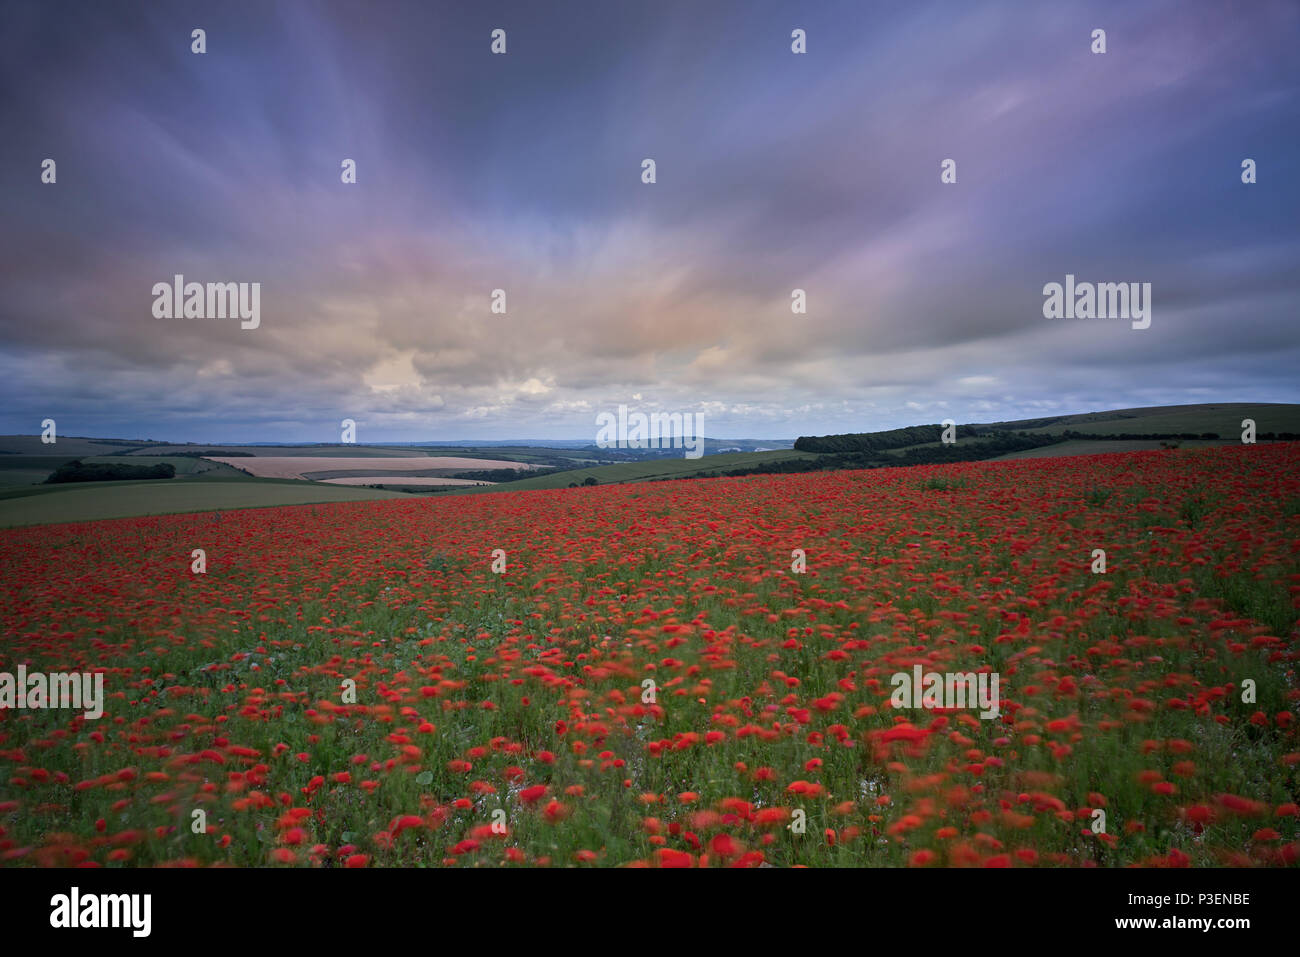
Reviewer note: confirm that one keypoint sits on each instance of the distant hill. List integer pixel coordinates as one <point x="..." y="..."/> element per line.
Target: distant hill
<point x="1210" y="421"/>
<point x="1119" y="430"/>
<point x="201" y="483"/>
<point x="69" y="446"/>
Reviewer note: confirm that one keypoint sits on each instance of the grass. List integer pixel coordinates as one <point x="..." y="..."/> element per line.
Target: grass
<point x="64" y="446"/>
<point x="22" y="477"/>
<point x="1194" y="509"/>
<point x="399" y="596"/>
<point x="184" y="464"/>
<point x="1103" y="446"/>
<point x="647" y="471"/>
<point x="1221" y="417"/>
<point x="1098" y="497"/>
<point x="92" y="501"/>
<point x="21" y="470"/>
<point x="941" y="483"/>
<point x="351" y="451"/>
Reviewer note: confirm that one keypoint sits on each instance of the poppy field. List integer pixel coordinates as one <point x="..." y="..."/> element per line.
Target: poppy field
<point x="676" y="674"/>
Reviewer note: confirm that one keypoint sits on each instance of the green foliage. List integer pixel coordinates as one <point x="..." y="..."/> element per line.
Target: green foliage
<point x="1098" y="497"/>
<point x="502" y="475"/>
<point x="1194" y="509"/>
<point x="874" y="441"/>
<point x="942" y="483"/>
<point x="79" y="471"/>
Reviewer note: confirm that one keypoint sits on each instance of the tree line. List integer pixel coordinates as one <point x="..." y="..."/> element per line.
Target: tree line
<point x="79" y="471"/>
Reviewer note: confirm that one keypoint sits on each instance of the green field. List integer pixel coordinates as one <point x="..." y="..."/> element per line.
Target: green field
<point x="20" y="477"/>
<point x="1104" y="446"/>
<point x="352" y="451"/>
<point x="1223" y="418"/>
<point x="511" y="453"/>
<point x="91" y="501"/>
<point x="201" y="484"/>
<point x="19" y="470"/>
<point x="66" y="447"/>
<point x="673" y="468"/>
<point x="185" y="465"/>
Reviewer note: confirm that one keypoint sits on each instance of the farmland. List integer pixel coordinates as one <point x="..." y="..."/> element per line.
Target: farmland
<point x="399" y="480"/>
<point x="649" y="680"/>
<point x="289" y="477"/>
<point x="653" y="470"/>
<point x="104" y="500"/>
<point x="300" y="467"/>
<point x="469" y="470"/>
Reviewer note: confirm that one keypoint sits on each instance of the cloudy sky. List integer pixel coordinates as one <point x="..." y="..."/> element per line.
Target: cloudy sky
<point x="522" y="172"/>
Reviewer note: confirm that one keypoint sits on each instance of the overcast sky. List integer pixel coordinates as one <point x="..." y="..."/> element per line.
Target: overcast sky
<point x="522" y="172"/>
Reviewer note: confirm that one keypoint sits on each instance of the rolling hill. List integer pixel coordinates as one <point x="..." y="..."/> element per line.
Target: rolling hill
<point x="202" y="483"/>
